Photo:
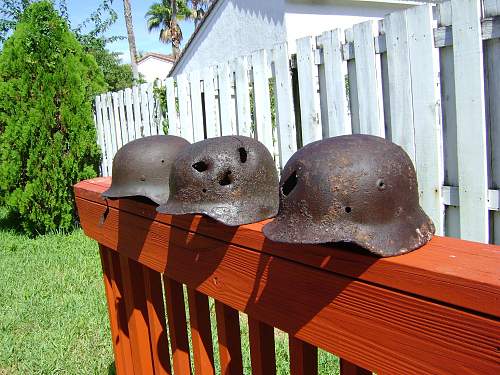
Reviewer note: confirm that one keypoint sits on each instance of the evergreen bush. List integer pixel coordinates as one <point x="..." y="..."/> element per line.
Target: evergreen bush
<point x="47" y="133"/>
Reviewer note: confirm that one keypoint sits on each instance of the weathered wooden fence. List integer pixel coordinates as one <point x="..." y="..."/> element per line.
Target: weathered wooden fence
<point x="432" y="88"/>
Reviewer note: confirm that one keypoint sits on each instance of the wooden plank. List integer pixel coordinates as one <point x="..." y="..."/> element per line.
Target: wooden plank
<point x="201" y="333"/>
<point x="112" y="311"/>
<point x="262" y="354"/>
<point x="136" y="102"/>
<point x="156" y="322"/>
<point x="228" y="333"/>
<point x="371" y="117"/>
<point x="303" y="357"/>
<point x="227" y="110"/>
<point x="400" y="82"/>
<point x="211" y="118"/>
<point x="118" y="292"/>
<point x="348" y="368"/>
<point x="285" y="112"/>
<point x="334" y="107"/>
<point x="185" y="117"/>
<point x="262" y="99"/>
<point x="309" y="98"/>
<point x="491" y="8"/>
<point x="123" y="120"/>
<point x="137" y="315"/>
<point x="173" y="121"/>
<point x="242" y="97"/>
<point x="471" y="126"/>
<point x="323" y="308"/>
<point x="127" y="95"/>
<point x="176" y="313"/>
<point x="145" y="123"/>
<point x="456" y="272"/>
<point x="426" y="117"/>
<point x="117" y="121"/>
<point x="197" y="108"/>
<point x="353" y="85"/>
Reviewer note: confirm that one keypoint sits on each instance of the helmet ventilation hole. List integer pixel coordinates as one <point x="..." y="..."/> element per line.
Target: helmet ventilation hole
<point x="348" y="209"/>
<point x="226" y="179"/>
<point x="200" y="166"/>
<point x="289" y="184"/>
<point x="243" y="154"/>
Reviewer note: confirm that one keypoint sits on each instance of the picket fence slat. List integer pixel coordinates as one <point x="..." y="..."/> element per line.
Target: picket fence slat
<point x="212" y="125"/>
<point x="243" y="96"/>
<point x="303" y="357"/>
<point x="100" y="136"/>
<point x="137" y="112"/>
<point x="123" y="120"/>
<point x="426" y="118"/>
<point x="368" y="88"/>
<point x="334" y="106"/>
<point x="471" y="128"/>
<point x="116" y="117"/>
<point x="228" y="334"/>
<point x="285" y="113"/>
<point x="227" y="110"/>
<point x="491" y="8"/>
<point x="353" y="84"/>
<point x="127" y="95"/>
<point x="185" y="118"/>
<point x="111" y="117"/>
<point x="173" y="122"/>
<point x="262" y="354"/>
<point x="197" y="110"/>
<point x="152" y="110"/>
<point x="262" y="99"/>
<point x="400" y="89"/>
<point x="309" y="100"/>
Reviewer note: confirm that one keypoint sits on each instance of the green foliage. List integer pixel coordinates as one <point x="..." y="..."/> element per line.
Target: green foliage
<point x="48" y="139"/>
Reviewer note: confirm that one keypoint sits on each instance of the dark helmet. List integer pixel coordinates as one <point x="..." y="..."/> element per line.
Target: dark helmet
<point x="352" y="188"/>
<point x="232" y="179"/>
<point x="142" y="167"/>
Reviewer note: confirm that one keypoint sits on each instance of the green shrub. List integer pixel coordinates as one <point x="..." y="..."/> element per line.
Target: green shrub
<point x="47" y="136"/>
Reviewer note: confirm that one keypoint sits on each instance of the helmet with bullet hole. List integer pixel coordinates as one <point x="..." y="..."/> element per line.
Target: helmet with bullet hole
<point x="142" y="167"/>
<point x="232" y="179"/>
<point x="353" y="188"/>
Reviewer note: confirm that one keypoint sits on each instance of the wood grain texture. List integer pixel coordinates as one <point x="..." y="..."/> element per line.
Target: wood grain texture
<point x="262" y="352"/>
<point x="348" y="368"/>
<point x="228" y="333"/>
<point x="120" y="364"/>
<point x="176" y="313"/>
<point x="372" y="326"/>
<point x="123" y="331"/>
<point x="137" y="315"/>
<point x="457" y="272"/>
<point x="157" y="322"/>
<point x="303" y="357"/>
<point x="201" y="333"/>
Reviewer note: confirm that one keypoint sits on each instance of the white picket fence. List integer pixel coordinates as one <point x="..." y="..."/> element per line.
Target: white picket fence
<point x="433" y="88"/>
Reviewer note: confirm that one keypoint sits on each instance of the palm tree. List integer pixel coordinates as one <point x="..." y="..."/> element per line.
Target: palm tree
<point x="198" y="9"/>
<point x="131" y="38"/>
<point x="163" y="16"/>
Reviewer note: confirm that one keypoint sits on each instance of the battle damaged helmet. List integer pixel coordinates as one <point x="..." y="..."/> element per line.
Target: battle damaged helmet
<point x="232" y="179"/>
<point x="142" y="167"/>
<point x="354" y="188"/>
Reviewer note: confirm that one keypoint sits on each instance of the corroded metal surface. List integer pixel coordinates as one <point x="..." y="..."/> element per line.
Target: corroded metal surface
<point x="142" y="167"/>
<point x="232" y="179"/>
<point x="355" y="188"/>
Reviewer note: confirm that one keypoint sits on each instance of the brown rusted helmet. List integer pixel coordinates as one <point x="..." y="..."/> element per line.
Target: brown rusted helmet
<point x="232" y="179"/>
<point x="142" y="167"/>
<point x="353" y="188"/>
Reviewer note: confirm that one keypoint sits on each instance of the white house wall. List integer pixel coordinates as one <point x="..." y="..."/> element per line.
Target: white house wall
<point x="235" y="28"/>
<point x="303" y="18"/>
<point x="152" y="68"/>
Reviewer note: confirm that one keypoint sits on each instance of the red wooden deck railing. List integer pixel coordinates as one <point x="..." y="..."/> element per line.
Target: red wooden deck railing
<point x="433" y="311"/>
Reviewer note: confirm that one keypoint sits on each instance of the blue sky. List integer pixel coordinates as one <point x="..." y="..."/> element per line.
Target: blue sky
<point x="146" y="42"/>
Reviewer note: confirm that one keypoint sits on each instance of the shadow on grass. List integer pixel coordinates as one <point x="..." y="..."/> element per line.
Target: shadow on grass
<point x="111" y="368"/>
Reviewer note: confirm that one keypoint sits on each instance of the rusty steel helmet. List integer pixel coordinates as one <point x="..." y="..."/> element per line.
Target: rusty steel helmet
<point x="232" y="179"/>
<point x="142" y="167"/>
<point x="353" y="188"/>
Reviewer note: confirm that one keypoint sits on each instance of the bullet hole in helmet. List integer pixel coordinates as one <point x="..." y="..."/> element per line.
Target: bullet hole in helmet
<point x="200" y="166"/>
<point x="162" y="161"/>
<point x="289" y="184"/>
<point x="226" y="179"/>
<point x="348" y="209"/>
<point x="204" y="190"/>
<point x="243" y="154"/>
<point x="381" y="184"/>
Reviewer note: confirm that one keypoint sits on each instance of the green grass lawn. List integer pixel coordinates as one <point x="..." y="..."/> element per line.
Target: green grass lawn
<point x="53" y="316"/>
